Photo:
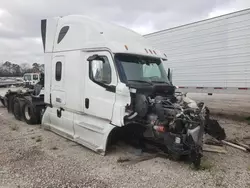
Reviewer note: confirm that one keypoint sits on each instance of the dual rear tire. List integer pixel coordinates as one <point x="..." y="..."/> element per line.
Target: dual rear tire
<point x="17" y="109"/>
<point x="23" y="109"/>
<point x="29" y="113"/>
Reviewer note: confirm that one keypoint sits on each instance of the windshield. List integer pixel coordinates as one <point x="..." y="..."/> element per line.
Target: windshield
<point x="142" y="68"/>
<point x="27" y="77"/>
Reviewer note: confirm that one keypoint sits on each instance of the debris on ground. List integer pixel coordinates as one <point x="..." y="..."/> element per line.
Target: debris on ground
<point x="39" y="139"/>
<point x="235" y="145"/>
<point x="216" y="149"/>
<point x="240" y="143"/>
<point x="54" y="148"/>
<point x="123" y="159"/>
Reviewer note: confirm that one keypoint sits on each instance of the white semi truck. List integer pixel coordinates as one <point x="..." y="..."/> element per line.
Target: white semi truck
<point x="104" y="82"/>
<point x="209" y="56"/>
<point x="31" y="79"/>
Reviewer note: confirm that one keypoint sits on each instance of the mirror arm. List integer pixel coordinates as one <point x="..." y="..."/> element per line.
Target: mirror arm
<point x="170" y="76"/>
<point x="95" y="57"/>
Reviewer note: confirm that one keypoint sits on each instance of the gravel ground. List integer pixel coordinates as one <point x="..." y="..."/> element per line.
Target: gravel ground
<point x="33" y="157"/>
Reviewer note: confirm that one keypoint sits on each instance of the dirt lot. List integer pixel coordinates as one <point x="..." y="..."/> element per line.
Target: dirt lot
<point x="33" y="157"/>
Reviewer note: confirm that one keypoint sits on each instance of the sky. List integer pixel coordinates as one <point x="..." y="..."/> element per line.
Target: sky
<point x="20" y="38"/>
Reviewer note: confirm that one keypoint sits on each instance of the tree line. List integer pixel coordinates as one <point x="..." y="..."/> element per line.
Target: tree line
<point x="9" y="69"/>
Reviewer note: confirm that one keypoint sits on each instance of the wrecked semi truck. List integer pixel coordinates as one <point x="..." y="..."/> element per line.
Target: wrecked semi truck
<point x="104" y="82"/>
<point x="209" y="56"/>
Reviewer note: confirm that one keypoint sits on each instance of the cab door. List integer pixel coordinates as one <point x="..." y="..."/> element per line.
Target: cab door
<point x="93" y="126"/>
<point x="61" y="118"/>
<point x="57" y="81"/>
<point x="100" y="85"/>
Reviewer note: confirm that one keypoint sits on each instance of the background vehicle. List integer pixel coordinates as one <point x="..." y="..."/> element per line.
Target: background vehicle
<point x="209" y="56"/>
<point x="31" y="79"/>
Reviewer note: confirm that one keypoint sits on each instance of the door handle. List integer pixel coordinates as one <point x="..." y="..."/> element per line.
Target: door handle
<point x="59" y="112"/>
<point x="87" y="103"/>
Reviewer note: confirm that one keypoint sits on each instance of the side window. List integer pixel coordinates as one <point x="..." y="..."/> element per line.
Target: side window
<point x="27" y="77"/>
<point x="100" y="71"/>
<point x="62" y="33"/>
<point x="35" y="77"/>
<point x="58" y="74"/>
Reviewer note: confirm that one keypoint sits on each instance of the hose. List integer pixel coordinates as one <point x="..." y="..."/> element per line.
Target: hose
<point x="132" y="116"/>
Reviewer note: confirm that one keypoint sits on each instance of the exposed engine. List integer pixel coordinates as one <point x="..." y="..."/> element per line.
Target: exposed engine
<point x="174" y="120"/>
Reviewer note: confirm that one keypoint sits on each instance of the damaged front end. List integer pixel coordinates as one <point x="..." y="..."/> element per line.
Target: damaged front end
<point x="169" y="120"/>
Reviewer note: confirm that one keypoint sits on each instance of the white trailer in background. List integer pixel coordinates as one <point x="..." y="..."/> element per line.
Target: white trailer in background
<point x="209" y="56"/>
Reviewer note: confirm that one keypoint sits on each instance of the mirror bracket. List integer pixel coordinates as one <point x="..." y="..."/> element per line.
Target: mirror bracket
<point x="95" y="57"/>
<point x="170" y="74"/>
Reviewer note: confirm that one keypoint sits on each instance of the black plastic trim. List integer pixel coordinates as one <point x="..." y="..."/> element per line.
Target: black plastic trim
<point x="87" y="103"/>
<point x="43" y="32"/>
<point x="62" y="33"/>
<point x="58" y="71"/>
<point x="121" y="72"/>
<point x="110" y="88"/>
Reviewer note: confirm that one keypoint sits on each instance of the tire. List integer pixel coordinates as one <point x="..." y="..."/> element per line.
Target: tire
<point x="4" y="102"/>
<point x="29" y="113"/>
<point x="41" y="112"/>
<point x="17" y="109"/>
<point x="10" y="104"/>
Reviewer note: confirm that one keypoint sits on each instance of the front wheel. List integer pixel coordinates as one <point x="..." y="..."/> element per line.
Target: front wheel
<point x="29" y="113"/>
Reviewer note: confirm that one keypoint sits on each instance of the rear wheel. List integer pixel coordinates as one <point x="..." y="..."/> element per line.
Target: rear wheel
<point x="16" y="109"/>
<point x="29" y="113"/>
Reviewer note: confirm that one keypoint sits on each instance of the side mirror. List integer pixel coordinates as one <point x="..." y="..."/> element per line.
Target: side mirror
<point x="170" y="75"/>
<point x="100" y="70"/>
<point x="97" y="70"/>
